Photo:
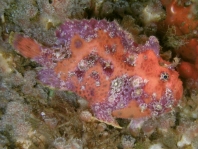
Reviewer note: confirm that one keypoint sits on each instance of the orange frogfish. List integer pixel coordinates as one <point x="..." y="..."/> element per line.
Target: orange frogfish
<point x="100" y="61"/>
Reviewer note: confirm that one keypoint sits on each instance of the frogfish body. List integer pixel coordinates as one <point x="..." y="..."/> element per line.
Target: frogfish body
<point x="99" y="61"/>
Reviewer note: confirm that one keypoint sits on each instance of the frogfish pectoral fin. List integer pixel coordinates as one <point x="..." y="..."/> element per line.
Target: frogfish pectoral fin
<point x="103" y="113"/>
<point x="113" y="123"/>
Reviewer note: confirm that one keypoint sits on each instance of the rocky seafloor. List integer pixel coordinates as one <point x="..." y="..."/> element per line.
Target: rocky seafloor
<point x="34" y="116"/>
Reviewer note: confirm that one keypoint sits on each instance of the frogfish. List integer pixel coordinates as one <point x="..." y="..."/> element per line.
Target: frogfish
<point x="101" y="62"/>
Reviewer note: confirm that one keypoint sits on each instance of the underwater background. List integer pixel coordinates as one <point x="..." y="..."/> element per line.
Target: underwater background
<point x="36" y="116"/>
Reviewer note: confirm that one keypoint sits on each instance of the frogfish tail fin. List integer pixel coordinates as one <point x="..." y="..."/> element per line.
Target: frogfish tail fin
<point x="25" y="45"/>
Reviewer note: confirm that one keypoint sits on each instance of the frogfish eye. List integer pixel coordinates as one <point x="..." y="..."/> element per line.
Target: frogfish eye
<point x="164" y="76"/>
